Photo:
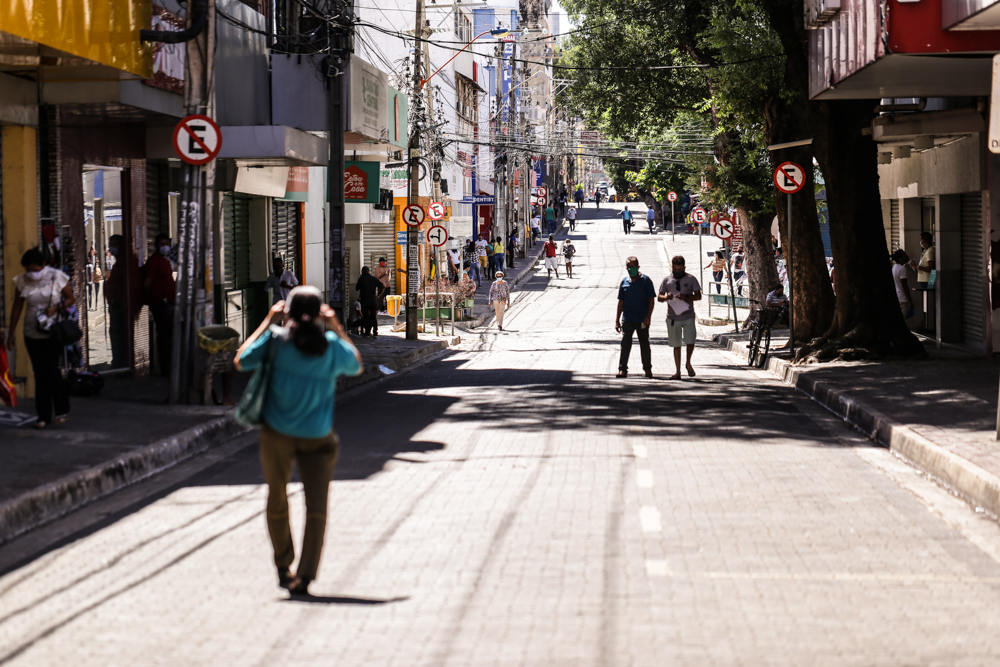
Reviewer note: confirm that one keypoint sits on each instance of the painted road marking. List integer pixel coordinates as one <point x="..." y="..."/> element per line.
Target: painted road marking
<point x="640" y="451"/>
<point x="649" y="517"/>
<point x="657" y="568"/>
<point x="644" y="479"/>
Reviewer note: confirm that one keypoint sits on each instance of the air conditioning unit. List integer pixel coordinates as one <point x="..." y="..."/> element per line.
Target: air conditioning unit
<point x="820" y="12"/>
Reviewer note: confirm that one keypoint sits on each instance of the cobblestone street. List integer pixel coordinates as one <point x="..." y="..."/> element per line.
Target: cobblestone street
<point x="510" y="502"/>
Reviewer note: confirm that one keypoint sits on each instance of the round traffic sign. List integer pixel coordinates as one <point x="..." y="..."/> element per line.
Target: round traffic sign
<point x="562" y="172"/>
<point x="699" y="215"/>
<point x="414" y="214"/>
<point x="723" y="229"/>
<point x="541" y="200"/>
<point x="197" y="139"/>
<point x="437" y="235"/>
<point x="435" y="210"/>
<point x="671" y="196"/>
<point x="541" y="192"/>
<point x="789" y="177"/>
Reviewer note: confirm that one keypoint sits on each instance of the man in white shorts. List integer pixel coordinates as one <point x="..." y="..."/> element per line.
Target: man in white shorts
<point x="680" y="290"/>
<point x="551" y="262"/>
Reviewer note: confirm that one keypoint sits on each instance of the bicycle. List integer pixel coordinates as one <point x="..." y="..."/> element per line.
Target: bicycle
<point x="760" y="325"/>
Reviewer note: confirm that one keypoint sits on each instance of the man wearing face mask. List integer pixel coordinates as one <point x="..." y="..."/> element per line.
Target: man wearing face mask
<point x="160" y="289"/>
<point x="680" y="289"/>
<point x="636" y="298"/>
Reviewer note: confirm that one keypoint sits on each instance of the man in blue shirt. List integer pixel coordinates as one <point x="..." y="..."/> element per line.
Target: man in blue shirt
<point x="627" y="220"/>
<point x="636" y="298"/>
<point x="651" y="220"/>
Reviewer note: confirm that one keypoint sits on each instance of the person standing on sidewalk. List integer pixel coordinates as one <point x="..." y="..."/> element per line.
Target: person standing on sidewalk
<point x="40" y="293"/>
<point x="491" y="262"/>
<point x="636" y="299"/>
<point x="551" y="263"/>
<point x="680" y="289"/>
<point x="312" y="351"/>
<point x="160" y="289"/>
<point x="927" y="263"/>
<point x="281" y="281"/>
<point x="499" y="297"/>
<point x="899" y="279"/>
<point x="569" y="252"/>
<point x="627" y="220"/>
<point x="482" y="254"/>
<point x="472" y="260"/>
<point x="571" y="216"/>
<point x="370" y="291"/>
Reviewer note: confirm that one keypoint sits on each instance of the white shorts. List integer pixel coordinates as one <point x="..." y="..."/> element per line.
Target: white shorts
<point x="552" y="263"/>
<point x="681" y="332"/>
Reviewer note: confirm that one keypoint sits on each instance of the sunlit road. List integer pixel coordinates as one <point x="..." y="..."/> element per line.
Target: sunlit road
<point x="512" y="503"/>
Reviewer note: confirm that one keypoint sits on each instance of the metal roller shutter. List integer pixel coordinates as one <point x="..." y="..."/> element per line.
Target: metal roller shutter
<point x="973" y="270"/>
<point x="893" y="225"/>
<point x="285" y="234"/>
<point x="380" y="241"/>
<point x="236" y="237"/>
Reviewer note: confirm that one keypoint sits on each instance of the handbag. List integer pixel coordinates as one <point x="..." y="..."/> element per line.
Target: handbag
<point x="250" y="411"/>
<point x="61" y="327"/>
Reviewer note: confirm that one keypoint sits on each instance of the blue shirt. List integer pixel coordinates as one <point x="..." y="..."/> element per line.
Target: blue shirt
<point x="626" y="215"/>
<point x="300" y="394"/>
<point x="635" y="293"/>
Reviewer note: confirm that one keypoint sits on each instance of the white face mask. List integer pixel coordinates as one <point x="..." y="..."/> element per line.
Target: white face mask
<point x="164" y="250"/>
<point x="35" y="275"/>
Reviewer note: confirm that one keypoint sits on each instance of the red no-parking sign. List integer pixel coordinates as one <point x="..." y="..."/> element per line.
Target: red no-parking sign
<point x="197" y="139"/>
<point x="671" y="196"/>
<point x="789" y="178"/>
<point x="414" y="214"/>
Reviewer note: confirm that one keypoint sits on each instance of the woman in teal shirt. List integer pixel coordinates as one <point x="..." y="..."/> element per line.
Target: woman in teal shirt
<point x="298" y="419"/>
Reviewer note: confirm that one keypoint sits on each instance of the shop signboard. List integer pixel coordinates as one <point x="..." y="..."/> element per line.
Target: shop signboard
<point x="398" y="110"/>
<point x="297" y="185"/>
<point x="361" y="180"/>
<point x="369" y="103"/>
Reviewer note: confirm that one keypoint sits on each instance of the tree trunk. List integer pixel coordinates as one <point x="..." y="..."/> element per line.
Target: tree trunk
<point x="758" y="257"/>
<point x="867" y="313"/>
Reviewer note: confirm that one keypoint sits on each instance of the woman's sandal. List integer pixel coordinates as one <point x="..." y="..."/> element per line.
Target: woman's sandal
<point x="60" y="420"/>
<point x="299" y="586"/>
<point x="40" y="424"/>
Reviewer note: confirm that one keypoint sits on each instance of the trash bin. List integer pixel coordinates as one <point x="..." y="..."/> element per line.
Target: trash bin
<point x="394" y="303"/>
<point x="217" y="346"/>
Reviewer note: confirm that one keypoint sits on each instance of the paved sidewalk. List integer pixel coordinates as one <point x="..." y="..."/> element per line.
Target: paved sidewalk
<point x="939" y="413"/>
<point x="129" y="432"/>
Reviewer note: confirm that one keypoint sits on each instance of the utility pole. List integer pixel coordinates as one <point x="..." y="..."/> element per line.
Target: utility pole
<point x="193" y="298"/>
<point x="413" y="160"/>
<point x="341" y="42"/>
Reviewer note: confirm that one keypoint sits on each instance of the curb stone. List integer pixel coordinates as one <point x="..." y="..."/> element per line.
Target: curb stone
<point x="51" y="501"/>
<point x="978" y="486"/>
<point x="46" y="503"/>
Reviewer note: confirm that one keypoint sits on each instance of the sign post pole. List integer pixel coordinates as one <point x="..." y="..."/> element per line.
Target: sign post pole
<point x="788" y="260"/>
<point x="789" y="178"/>
<point x="437" y="291"/>
<point x="673" y="224"/>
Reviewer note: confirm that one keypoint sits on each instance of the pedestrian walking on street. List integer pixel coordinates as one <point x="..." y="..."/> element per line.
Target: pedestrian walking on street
<point x="482" y="255"/>
<point x="499" y="297"/>
<point x="719" y="270"/>
<point x="551" y="263"/>
<point x="471" y="254"/>
<point x="627" y="220"/>
<point x="536" y="227"/>
<point x="569" y="251"/>
<point x="305" y="357"/>
<point x="597" y="199"/>
<point x="280" y="282"/>
<point x="498" y="256"/>
<point x="550" y="219"/>
<point x="579" y="197"/>
<point x="491" y="263"/>
<point x="370" y="292"/>
<point x="454" y="264"/>
<point x="680" y="290"/>
<point x="571" y="216"/>
<point x="636" y="299"/>
<point x="651" y="220"/>
<point x="41" y="293"/>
